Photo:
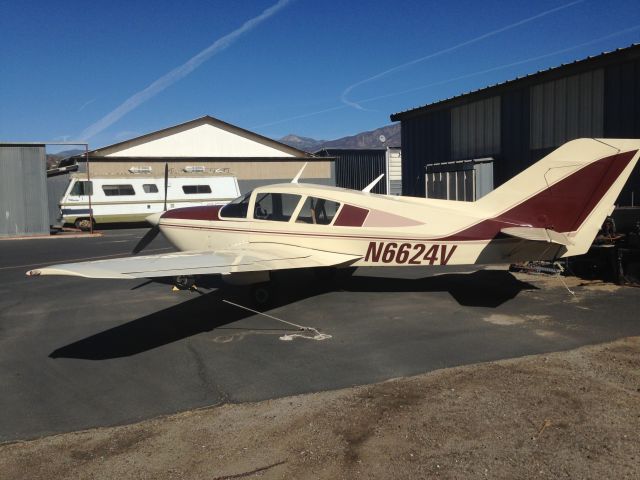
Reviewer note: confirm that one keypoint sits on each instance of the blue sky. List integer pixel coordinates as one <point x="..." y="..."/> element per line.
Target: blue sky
<point x="323" y="69"/>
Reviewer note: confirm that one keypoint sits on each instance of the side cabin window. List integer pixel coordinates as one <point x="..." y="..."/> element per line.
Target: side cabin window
<point x="318" y="211"/>
<point x="116" y="190"/>
<point x="236" y="208"/>
<point x="275" y="206"/>
<point x="82" y="187"/>
<point x="189" y="189"/>
<point x="150" y="188"/>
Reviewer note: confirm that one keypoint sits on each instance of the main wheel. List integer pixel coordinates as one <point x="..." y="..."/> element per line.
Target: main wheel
<point x="184" y="282"/>
<point x="262" y="295"/>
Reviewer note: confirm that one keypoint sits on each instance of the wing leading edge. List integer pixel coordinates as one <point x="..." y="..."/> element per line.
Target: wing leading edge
<point x="251" y="257"/>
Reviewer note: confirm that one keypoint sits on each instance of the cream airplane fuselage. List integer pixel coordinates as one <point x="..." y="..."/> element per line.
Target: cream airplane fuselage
<point x="381" y="230"/>
<point x="553" y="209"/>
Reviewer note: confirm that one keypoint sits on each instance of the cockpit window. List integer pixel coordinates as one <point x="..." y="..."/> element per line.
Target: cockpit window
<point x="275" y="206"/>
<point x="236" y="208"/>
<point x="318" y="211"/>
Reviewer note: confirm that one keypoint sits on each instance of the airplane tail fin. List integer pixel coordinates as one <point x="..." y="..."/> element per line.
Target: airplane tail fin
<point x="570" y="192"/>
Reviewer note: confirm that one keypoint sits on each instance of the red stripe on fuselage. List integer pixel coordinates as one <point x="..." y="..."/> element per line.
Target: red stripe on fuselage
<point x="204" y="212"/>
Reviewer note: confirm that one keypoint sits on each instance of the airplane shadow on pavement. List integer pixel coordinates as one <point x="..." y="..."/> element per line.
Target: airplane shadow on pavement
<point x="484" y="288"/>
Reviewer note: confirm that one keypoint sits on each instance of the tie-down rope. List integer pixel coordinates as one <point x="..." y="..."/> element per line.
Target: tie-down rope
<point x="290" y="336"/>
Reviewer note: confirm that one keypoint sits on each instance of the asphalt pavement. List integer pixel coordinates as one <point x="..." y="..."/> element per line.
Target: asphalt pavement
<point x="78" y="353"/>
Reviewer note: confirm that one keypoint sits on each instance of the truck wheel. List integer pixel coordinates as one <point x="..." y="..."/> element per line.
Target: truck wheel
<point x="84" y="224"/>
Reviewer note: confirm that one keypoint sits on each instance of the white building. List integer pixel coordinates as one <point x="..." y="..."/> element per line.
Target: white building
<point x="208" y="145"/>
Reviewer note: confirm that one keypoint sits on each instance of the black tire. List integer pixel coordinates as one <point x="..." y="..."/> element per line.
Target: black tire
<point x="84" y="224"/>
<point x="184" y="282"/>
<point x="262" y="295"/>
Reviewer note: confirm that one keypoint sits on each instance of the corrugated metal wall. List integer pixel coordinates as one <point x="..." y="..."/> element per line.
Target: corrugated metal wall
<point x="394" y="161"/>
<point x="475" y="129"/>
<point x="357" y="168"/>
<point x="23" y="191"/>
<point x="56" y="186"/>
<point x="567" y="108"/>
<point x="536" y="115"/>
<point x="515" y="155"/>
<point x="622" y="115"/>
<point x="428" y="140"/>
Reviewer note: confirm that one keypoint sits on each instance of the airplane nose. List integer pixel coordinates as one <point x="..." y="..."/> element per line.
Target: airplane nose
<point x="154" y="218"/>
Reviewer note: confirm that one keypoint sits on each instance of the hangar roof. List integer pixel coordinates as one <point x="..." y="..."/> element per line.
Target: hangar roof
<point x="632" y="51"/>
<point x="202" y="137"/>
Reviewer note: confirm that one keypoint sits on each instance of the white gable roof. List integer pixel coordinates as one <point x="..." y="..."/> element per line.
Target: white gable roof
<point x="203" y="137"/>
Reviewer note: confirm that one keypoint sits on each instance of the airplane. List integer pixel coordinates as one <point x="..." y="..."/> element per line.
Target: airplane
<point x="551" y="210"/>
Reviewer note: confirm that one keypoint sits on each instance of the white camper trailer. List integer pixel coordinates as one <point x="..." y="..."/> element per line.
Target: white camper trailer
<point x="115" y="200"/>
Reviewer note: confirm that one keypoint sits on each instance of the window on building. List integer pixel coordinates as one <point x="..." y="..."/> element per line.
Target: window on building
<point x="317" y="211"/>
<point x="189" y="189"/>
<point x="150" y="188"/>
<point x="275" y="206"/>
<point x="236" y="208"/>
<point x="116" y="190"/>
<point x="82" y="187"/>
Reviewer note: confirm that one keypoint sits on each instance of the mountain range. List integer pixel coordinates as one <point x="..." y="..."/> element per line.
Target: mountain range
<point x="370" y="139"/>
<point x="53" y="159"/>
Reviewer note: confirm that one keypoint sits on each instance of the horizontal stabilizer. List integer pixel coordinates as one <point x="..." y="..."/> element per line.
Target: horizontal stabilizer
<point x="538" y="235"/>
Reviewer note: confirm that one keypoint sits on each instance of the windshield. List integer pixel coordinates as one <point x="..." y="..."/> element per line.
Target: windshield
<point x="82" y="187"/>
<point x="236" y="208"/>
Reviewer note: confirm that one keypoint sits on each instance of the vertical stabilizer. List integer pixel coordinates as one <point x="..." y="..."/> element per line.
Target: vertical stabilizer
<point x="570" y="191"/>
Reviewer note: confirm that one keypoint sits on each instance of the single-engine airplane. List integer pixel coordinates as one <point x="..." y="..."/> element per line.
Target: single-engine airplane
<point x="551" y="210"/>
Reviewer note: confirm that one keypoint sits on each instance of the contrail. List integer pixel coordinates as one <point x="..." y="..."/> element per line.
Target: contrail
<point x="502" y="67"/>
<point x="349" y="89"/>
<point x="87" y="103"/>
<point x="180" y="72"/>
<point x="454" y="79"/>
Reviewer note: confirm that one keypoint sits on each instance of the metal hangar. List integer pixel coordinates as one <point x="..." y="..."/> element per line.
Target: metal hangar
<point x="357" y="167"/>
<point x="462" y="147"/>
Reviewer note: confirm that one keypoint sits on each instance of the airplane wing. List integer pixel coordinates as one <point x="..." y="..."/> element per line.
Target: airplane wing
<point x="250" y="257"/>
<point x="538" y="234"/>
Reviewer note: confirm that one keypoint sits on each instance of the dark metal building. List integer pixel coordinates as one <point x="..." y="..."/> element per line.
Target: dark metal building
<point x="356" y="168"/>
<point x="462" y="147"/>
